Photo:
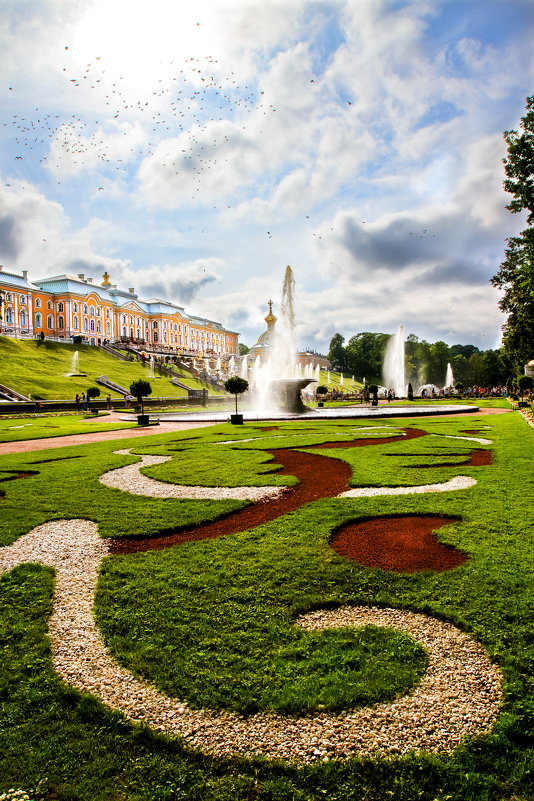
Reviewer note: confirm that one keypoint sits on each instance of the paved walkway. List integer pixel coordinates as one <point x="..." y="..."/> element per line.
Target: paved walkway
<point x="97" y="436"/>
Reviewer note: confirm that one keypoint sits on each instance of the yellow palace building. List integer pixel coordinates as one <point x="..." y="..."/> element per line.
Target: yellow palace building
<point x="66" y="306"/>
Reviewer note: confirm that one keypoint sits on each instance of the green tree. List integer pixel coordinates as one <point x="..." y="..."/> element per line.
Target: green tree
<point x="336" y="352"/>
<point x="243" y="349"/>
<point x="516" y="274"/>
<point x="440" y="356"/>
<point x="140" y="389"/>
<point x="365" y="354"/>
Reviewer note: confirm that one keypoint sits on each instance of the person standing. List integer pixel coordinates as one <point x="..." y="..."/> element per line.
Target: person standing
<point x="77" y="399"/>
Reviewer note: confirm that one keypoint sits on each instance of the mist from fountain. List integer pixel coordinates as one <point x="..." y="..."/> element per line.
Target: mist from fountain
<point x="394" y="364"/>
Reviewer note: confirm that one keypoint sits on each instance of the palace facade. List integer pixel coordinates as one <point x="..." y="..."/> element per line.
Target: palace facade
<point x="65" y="306"/>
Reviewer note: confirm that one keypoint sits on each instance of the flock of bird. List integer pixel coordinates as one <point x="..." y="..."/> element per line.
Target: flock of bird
<point x="179" y="111"/>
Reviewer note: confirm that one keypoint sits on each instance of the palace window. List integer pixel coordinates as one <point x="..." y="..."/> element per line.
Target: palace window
<point x="49" y="321"/>
<point x="74" y="307"/>
<point x="60" y="306"/>
<point x="22" y="319"/>
<point x="92" y="311"/>
<point x="38" y="320"/>
<point x="92" y="326"/>
<point x="154" y="324"/>
<point x="60" y="322"/>
<point x="75" y="322"/>
<point x="9" y="316"/>
<point x="22" y="300"/>
<point x="98" y="311"/>
<point x="108" y="314"/>
<point x="108" y="328"/>
<point x="9" y="298"/>
<point x="98" y="327"/>
<point x="37" y="303"/>
<point x="85" y="308"/>
<point x="85" y="325"/>
<point x="49" y="305"/>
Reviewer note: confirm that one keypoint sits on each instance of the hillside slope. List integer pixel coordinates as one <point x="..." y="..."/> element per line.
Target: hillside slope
<point x="40" y="369"/>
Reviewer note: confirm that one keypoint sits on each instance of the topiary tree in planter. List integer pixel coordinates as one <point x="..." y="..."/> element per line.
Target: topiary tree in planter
<point x="93" y="392"/>
<point x="373" y="390"/>
<point x="410" y="392"/>
<point x="320" y="391"/>
<point x="459" y="387"/>
<point x="236" y="386"/>
<point x="140" y="389"/>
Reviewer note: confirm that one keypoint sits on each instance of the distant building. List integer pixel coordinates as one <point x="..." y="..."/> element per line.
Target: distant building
<point x="65" y="306"/>
<point x="310" y="357"/>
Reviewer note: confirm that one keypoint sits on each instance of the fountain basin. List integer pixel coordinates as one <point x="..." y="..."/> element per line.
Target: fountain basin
<point x="284" y="394"/>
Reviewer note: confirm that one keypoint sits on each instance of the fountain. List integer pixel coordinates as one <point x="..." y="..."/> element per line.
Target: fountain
<point x="277" y="379"/>
<point x="75" y="366"/>
<point x="449" y="378"/>
<point x="393" y="368"/>
<point x="151" y="367"/>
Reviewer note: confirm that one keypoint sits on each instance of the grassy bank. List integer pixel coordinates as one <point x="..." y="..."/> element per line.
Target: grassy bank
<point x="40" y="369"/>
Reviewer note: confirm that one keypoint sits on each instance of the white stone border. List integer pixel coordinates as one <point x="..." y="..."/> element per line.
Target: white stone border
<point x="459" y="694"/>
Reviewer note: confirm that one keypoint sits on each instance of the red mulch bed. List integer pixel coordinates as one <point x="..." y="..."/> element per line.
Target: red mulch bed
<point x="401" y="543"/>
<point x="319" y="477"/>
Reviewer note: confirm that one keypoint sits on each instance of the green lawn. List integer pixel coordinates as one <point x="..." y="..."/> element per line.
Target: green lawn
<point x="212" y="621"/>
<point x="39" y="369"/>
<point x="20" y="427"/>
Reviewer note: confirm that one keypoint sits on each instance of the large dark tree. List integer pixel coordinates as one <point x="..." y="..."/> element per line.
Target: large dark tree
<point x="336" y="353"/>
<point x="516" y="274"/>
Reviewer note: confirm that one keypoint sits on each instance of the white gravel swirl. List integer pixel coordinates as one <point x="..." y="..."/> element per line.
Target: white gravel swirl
<point x="456" y="483"/>
<point x="459" y="694"/>
<point x="130" y="479"/>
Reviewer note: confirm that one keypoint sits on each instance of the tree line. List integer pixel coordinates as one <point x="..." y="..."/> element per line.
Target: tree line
<point x="425" y="362"/>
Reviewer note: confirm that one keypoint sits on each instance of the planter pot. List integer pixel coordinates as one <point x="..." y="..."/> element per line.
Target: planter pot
<point x="320" y="404"/>
<point x="236" y="419"/>
<point x="374" y="403"/>
<point x="143" y="419"/>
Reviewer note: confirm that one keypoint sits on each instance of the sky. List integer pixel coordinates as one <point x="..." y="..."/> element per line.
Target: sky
<point x="194" y="149"/>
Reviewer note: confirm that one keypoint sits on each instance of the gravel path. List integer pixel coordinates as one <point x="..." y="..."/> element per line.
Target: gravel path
<point x="130" y="479"/>
<point x="458" y="695"/>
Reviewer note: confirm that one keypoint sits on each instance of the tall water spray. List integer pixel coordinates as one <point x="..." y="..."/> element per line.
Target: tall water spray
<point x="393" y="369"/>
<point x="449" y="378"/>
<point x="276" y="377"/>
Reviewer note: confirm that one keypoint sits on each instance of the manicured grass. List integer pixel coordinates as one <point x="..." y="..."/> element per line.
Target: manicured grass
<point x="20" y="428"/>
<point x="212" y="621"/>
<point x="40" y="369"/>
